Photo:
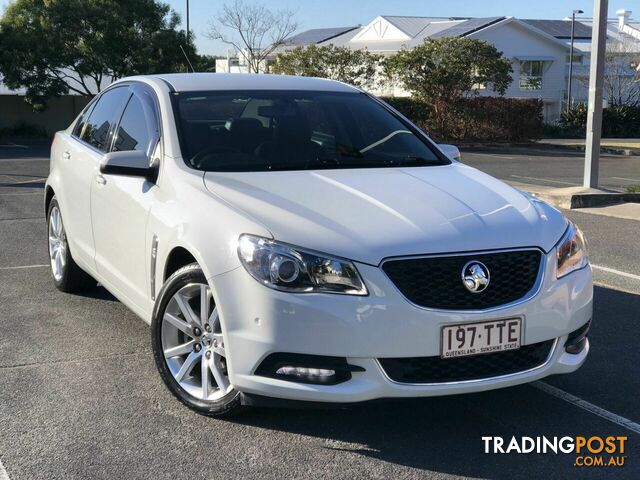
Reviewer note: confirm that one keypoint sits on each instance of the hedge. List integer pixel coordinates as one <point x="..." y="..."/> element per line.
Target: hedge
<point x="618" y="121"/>
<point x="478" y="119"/>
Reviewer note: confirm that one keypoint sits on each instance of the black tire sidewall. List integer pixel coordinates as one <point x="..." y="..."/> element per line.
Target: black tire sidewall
<point x="226" y="405"/>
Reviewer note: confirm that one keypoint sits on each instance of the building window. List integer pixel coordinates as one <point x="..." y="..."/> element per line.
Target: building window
<point x="531" y="74"/>
<point x="577" y="59"/>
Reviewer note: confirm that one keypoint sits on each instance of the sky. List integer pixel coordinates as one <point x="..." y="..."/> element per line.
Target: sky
<point x="338" y="13"/>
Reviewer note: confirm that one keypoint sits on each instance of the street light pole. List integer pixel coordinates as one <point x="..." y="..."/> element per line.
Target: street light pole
<point x="188" y="33"/>
<point x="573" y="26"/>
<point x="596" y="81"/>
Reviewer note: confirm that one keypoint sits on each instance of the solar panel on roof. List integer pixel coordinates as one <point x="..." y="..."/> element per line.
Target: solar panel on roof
<point x="467" y="27"/>
<point x="560" y="28"/>
<point x="317" y="35"/>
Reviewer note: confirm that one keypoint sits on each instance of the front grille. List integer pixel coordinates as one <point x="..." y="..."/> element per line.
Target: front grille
<point x="458" y="369"/>
<point x="436" y="282"/>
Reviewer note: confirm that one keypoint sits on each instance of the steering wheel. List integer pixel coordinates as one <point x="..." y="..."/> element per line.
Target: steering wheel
<point x="200" y="158"/>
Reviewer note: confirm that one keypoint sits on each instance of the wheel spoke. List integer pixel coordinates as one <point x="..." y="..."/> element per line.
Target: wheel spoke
<point x="219" y="377"/>
<point x="58" y="223"/>
<point x="219" y="341"/>
<point x="213" y="318"/>
<point x="188" y="365"/>
<point x="58" y="261"/>
<point x="206" y="384"/>
<point x="178" y="323"/>
<point x="179" y="349"/>
<point x="204" y="304"/>
<point x="185" y="308"/>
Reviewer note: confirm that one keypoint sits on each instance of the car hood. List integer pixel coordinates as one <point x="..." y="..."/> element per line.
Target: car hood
<point x="370" y="214"/>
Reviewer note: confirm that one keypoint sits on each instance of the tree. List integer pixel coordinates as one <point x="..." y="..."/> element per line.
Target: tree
<point x="53" y="48"/>
<point x="440" y="71"/>
<point x="256" y="31"/>
<point x="621" y="76"/>
<point x="355" y="67"/>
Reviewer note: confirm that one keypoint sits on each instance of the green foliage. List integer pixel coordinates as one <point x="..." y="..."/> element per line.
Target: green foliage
<point x="618" y="121"/>
<point x="633" y="189"/>
<point x="355" y="67"/>
<point x="477" y="119"/>
<point x="443" y="70"/>
<point x="52" y="47"/>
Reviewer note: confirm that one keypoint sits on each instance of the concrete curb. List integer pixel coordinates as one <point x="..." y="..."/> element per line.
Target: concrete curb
<point x="581" y="148"/>
<point x="591" y="200"/>
<point x="577" y="197"/>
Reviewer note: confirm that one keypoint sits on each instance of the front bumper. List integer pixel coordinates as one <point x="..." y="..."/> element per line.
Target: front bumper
<point x="259" y="321"/>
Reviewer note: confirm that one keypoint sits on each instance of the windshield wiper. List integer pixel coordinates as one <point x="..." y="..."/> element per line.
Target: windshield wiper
<point x="414" y="161"/>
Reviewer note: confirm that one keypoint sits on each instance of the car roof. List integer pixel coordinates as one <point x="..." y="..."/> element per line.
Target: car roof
<point x="193" y="82"/>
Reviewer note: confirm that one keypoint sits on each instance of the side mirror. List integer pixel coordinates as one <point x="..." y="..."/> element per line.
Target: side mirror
<point x="132" y="163"/>
<point x="450" y="151"/>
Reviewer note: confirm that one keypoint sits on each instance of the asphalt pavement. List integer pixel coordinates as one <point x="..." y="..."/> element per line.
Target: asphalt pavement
<point x="552" y="167"/>
<point x="80" y="396"/>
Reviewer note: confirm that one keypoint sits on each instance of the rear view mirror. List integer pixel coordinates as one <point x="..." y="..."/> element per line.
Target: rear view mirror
<point x="133" y="163"/>
<point x="450" y="151"/>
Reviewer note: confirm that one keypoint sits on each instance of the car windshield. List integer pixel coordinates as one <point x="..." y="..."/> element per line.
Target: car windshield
<point x="245" y="131"/>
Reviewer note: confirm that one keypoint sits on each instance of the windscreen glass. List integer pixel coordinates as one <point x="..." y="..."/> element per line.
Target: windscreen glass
<point x="284" y="130"/>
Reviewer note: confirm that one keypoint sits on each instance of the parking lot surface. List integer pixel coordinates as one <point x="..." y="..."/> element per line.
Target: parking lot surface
<point x="80" y="396"/>
<point x="552" y="167"/>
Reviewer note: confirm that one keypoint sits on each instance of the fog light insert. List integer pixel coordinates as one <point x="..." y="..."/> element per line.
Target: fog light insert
<point x="302" y="368"/>
<point x="577" y="340"/>
<point x="305" y="372"/>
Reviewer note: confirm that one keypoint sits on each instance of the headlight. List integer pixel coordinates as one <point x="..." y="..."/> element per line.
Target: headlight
<point x="291" y="269"/>
<point x="571" y="251"/>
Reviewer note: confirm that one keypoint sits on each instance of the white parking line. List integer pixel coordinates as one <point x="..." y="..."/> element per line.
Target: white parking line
<point x="589" y="407"/>
<point x="616" y="272"/>
<point x="546" y="180"/>
<point x="26" y="181"/>
<point x="499" y="155"/>
<point x="19" y="194"/>
<point x="21" y="267"/>
<point x="3" y="472"/>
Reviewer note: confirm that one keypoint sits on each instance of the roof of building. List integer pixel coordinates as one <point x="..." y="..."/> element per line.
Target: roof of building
<point x="317" y="35"/>
<point x="415" y="30"/>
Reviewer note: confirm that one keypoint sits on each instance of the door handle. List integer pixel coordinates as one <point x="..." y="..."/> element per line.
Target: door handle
<point x="100" y="180"/>
<point x="66" y="155"/>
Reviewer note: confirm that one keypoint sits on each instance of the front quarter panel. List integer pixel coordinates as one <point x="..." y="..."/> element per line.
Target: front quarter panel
<point x="186" y="215"/>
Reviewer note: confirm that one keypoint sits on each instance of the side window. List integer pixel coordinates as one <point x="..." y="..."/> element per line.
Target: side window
<point x="106" y="112"/>
<point x="138" y="129"/>
<point x="82" y="120"/>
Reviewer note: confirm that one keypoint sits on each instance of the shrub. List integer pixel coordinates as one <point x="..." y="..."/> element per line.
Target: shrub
<point x="618" y="121"/>
<point x="477" y="119"/>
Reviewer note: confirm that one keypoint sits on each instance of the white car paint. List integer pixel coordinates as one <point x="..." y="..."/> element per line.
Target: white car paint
<point x="365" y="215"/>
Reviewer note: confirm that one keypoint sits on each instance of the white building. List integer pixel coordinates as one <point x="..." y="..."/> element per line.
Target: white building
<point x="538" y="49"/>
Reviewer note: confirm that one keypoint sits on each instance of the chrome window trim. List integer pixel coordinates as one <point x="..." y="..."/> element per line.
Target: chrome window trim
<point x="530" y="294"/>
<point x="507" y="376"/>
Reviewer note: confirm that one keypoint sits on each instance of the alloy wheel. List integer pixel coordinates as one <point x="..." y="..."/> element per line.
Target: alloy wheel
<point x="57" y="244"/>
<point x="193" y="345"/>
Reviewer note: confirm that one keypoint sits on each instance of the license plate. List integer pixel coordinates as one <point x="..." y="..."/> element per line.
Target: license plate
<point x="482" y="337"/>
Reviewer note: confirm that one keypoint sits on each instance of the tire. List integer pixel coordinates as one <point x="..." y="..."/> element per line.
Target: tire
<point x="67" y="275"/>
<point x="188" y="347"/>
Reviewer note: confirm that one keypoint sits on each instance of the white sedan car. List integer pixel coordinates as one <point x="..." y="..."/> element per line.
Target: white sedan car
<point x="298" y="239"/>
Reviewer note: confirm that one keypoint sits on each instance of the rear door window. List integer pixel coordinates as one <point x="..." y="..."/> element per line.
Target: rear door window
<point x="103" y="117"/>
